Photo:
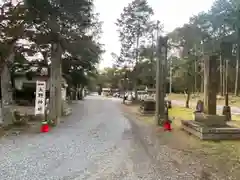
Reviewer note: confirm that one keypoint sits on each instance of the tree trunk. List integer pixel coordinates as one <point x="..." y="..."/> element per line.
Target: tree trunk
<point x="202" y="83"/>
<point x="135" y="91"/>
<point x="77" y="92"/>
<point x="237" y="65"/>
<point x="55" y="84"/>
<point x="195" y="69"/>
<point x="221" y="74"/>
<point x="136" y="70"/>
<point x="6" y="90"/>
<point x="188" y="94"/>
<point x="80" y="92"/>
<point x="224" y="77"/>
<point x="136" y="84"/>
<point x="202" y="76"/>
<point x="153" y="75"/>
<point x="195" y="75"/>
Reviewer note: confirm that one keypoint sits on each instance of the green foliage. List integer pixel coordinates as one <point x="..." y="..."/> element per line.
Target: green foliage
<point x="71" y="23"/>
<point x="212" y="32"/>
<point x="76" y="71"/>
<point x="12" y="27"/>
<point x="146" y="73"/>
<point x="66" y="13"/>
<point x="113" y="77"/>
<point x="133" y="25"/>
<point x="123" y="77"/>
<point x="66" y="23"/>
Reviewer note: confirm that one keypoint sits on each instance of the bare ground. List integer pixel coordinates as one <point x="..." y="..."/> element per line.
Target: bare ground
<point x="216" y="160"/>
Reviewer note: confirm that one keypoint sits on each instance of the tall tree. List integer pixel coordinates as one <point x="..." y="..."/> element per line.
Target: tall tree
<point x="133" y="27"/>
<point x="13" y="27"/>
<point x="215" y="31"/>
<point x="66" y="23"/>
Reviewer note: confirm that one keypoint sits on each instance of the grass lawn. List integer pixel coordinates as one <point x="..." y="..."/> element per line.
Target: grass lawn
<point x="176" y="113"/>
<point x="222" y="154"/>
<point x="180" y="113"/>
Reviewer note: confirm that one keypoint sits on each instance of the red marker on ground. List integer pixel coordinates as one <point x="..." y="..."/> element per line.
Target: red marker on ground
<point x="167" y="126"/>
<point x="44" y="127"/>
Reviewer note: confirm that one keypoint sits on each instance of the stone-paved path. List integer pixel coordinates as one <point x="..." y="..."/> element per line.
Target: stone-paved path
<point x="95" y="142"/>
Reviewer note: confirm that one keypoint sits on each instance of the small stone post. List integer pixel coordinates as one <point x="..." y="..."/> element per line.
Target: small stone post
<point x="227" y="109"/>
<point x="210" y="84"/>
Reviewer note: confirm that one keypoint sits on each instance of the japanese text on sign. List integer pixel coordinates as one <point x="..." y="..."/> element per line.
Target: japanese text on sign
<point x="40" y="97"/>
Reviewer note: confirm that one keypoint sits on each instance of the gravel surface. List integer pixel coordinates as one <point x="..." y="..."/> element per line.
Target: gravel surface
<point x="96" y="142"/>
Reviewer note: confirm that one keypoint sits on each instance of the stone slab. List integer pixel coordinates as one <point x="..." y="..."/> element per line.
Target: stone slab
<point x="210" y="120"/>
<point x="192" y="131"/>
<point x="211" y="133"/>
<point x="220" y="136"/>
<point x="234" y="123"/>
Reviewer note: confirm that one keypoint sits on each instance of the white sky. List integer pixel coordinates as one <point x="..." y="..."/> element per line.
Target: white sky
<point x="171" y="13"/>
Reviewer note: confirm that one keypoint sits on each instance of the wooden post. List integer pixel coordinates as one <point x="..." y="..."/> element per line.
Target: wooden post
<point x="160" y="79"/>
<point x="165" y="67"/>
<point x="158" y="85"/>
<point x="210" y="84"/>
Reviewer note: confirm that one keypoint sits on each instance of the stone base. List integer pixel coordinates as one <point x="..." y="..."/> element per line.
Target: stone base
<point x="211" y="133"/>
<point x="142" y="112"/>
<point x="210" y="120"/>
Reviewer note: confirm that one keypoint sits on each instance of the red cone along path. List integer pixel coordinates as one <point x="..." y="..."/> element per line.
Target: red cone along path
<point x="167" y="126"/>
<point x="44" y="127"/>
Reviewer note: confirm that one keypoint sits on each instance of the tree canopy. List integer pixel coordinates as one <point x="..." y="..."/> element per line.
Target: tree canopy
<point x="216" y="31"/>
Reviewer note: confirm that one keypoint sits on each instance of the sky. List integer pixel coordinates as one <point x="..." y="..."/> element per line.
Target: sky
<point x="171" y="13"/>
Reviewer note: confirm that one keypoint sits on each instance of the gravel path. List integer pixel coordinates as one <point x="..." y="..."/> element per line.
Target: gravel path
<point x="96" y="142"/>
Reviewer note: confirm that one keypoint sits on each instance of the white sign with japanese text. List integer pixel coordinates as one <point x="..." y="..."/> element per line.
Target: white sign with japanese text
<point x="40" y="97"/>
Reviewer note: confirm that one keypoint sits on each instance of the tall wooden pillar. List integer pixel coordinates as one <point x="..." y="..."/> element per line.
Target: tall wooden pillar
<point x="210" y="84"/>
<point x="160" y="79"/>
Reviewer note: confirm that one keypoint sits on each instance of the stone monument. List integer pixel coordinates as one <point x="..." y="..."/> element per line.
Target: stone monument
<point x="207" y="125"/>
<point x="147" y="107"/>
<point x="210" y="85"/>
